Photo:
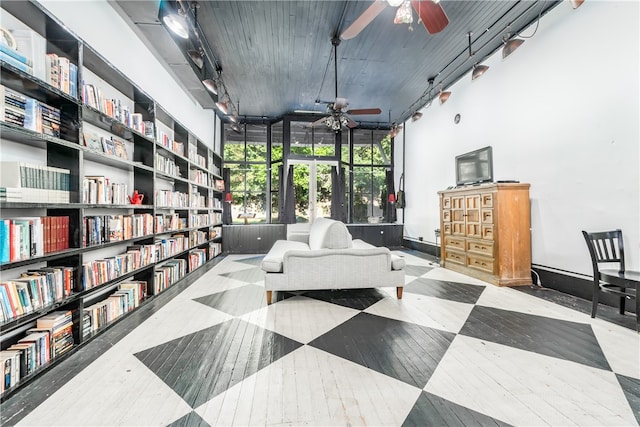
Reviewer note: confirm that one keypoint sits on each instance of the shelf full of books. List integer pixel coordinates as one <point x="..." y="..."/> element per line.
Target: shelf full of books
<point x="106" y="200"/>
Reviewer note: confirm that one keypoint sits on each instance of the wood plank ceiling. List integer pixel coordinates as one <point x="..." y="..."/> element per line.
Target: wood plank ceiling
<point x="277" y="57"/>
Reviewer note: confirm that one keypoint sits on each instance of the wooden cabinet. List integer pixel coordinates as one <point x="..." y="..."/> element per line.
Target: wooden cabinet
<point x="486" y="232"/>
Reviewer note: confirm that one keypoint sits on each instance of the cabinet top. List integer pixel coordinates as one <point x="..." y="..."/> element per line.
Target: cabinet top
<point x="492" y="186"/>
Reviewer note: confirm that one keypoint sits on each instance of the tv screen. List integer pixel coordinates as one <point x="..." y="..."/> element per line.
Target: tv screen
<point x="474" y="167"/>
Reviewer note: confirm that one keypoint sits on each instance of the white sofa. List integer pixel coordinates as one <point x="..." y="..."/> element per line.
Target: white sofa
<point x="326" y="257"/>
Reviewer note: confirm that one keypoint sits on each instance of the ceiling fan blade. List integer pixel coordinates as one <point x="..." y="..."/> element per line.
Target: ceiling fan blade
<point x="351" y="123"/>
<point x="363" y="20"/>
<point x="361" y="111"/>
<point x="317" y="122"/>
<point x="431" y="14"/>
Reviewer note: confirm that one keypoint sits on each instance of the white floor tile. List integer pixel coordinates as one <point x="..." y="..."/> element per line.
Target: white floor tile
<point x="453" y="276"/>
<point x="621" y="347"/>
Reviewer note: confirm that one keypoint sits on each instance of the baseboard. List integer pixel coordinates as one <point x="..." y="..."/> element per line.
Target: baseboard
<point x="548" y="277"/>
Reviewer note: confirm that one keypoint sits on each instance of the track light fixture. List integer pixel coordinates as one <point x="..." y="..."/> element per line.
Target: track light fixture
<point x="174" y="17"/>
<point x="478" y="70"/>
<point x="576" y="3"/>
<point x="197" y="56"/>
<point x="443" y="96"/>
<point x="211" y="85"/>
<point x="510" y="45"/>
<point x="416" y="116"/>
<point x="223" y="106"/>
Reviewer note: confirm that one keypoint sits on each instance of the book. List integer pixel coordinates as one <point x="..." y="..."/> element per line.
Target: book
<point x="15" y="54"/>
<point x="108" y="146"/>
<point x="16" y="63"/>
<point x="4" y="240"/>
<point x="120" y="149"/>
<point x="92" y="141"/>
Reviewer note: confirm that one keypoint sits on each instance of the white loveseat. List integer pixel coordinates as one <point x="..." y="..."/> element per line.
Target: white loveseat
<point x="328" y="258"/>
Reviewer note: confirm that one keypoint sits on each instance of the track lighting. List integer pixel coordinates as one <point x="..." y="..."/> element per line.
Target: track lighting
<point x="197" y="56"/>
<point x="211" y="85"/>
<point x="416" y="116"/>
<point x="223" y="106"/>
<point x="174" y="17"/>
<point x="510" y="45"/>
<point x="443" y="96"/>
<point x="478" y="70"/>
<point x="576" y="3"/>
<point x="236" y="128"/>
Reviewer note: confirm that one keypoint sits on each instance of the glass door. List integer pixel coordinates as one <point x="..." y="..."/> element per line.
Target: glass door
<point x="313" y="183"/>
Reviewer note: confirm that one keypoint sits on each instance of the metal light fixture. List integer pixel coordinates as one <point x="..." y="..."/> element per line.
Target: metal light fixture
<point x="223" y="106"/>
<point x="175" y="20"/>
<point x="576" y="3"/>
<point x="478" y="70"/>
<point x="443" y="96"/>
<point x="236" y="128"/>
<point x="416" y="116"/>
<point x="510" y="45"/>
<point x="211" y="85"/>
<point x="197" y="56"/>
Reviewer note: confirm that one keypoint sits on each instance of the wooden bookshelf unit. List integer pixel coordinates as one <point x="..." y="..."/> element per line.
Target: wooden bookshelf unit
<point x="67" y="112"/>
<point x="486" y="232"/>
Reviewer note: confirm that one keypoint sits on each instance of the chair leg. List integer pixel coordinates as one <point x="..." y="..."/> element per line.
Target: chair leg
<point x="594" y="298"/>
<point x="637" y="309"/>
<point x="622" y="301"/>
<point x="399" y="290"/>
<point x="269" y="294"/>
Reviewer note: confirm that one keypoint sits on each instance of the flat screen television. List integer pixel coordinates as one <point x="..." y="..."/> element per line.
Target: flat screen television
<point x="475" y="167"/>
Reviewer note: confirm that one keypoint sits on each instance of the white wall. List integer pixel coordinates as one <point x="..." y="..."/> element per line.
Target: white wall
<point x="100" y="26"/>
<point x="562" y="113"/>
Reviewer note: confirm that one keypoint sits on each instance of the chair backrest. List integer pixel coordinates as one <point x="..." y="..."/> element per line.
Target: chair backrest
<point x="605" y="247"/>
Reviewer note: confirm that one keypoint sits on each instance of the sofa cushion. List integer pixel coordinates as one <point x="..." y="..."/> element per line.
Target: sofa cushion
<point x="327" y="233"/>
<point x="272" y="262"/>
<point x="397" y="263"/>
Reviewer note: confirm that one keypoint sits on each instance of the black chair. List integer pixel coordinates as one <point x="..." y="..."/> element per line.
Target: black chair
<point x="605" y="248"/>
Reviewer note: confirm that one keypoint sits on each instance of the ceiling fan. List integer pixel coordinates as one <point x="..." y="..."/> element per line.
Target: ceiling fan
<point x="339" y="114"/>
<point x="430" y="13"/>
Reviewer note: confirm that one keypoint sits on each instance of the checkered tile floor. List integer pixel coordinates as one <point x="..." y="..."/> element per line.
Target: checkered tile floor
<point x="454" y="351"/>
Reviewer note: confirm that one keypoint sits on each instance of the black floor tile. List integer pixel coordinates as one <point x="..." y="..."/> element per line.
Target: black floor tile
<point x="416" y="270"/>
<point x="459" y="292"/>
<point x="432" y="410"/>
<point x="631" y="388"/>
<point x="249" y="275"/>
<point x="552" y="337"/>
<point x="358" y="299"/>
<point x="237" y="301"/>
<point x="204" y="364"/>
<point x="405" y="351"/>
<point x="192" y="419"/>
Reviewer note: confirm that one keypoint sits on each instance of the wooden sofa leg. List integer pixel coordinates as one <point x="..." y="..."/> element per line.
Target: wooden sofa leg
<point x="269" y="297"/>
<point x="399" y="290"/>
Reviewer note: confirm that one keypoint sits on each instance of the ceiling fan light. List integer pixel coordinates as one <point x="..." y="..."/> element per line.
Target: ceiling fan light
<point x="444" y="96"/>
<point x="510" y="47"/>
<point x="416" y="116"/>
<point x="223" y="106"/>
<point x="478" y="70"/>
<point x="177" y="23"/>
<point x="196" y="57"/>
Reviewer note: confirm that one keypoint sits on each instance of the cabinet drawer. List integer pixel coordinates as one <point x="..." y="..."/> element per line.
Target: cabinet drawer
<point x="446" y="203"/>
<point x="487" y="232"/>
<point x="454" y="242"/>
<point x="446" y="216"/>
<point x="480" y="263"/>
<point x="479" y="247"/>
<point x="455" y="257"/>
<point x="486" y="200"/>
<point x="487" y="216"/>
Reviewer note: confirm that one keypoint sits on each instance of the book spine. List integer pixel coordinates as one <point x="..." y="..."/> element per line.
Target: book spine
<point x="16" y="63"/>
<point x="15" y="54"/>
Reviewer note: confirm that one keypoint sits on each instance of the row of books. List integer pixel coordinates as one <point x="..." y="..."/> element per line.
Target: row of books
<point x="215" y="249"/>
<point x="196" y="158"/>
<point x="16" y="58"/>
<point x="145" y="127"/>
<point x="218" y="184"/>
<point x="197" y="257"/>
<point x="126" y="298"/>
<point x="170" y="222"/>
<point x="200" y="201"/>
<point x="51" y="338"/>
<point x="97" y="272"/>
<point x="28" y="237"/>
<point x="94" y="97"/>
<point x="199" y="176"/>
<point x="112" y="146"/>
<point x="197" y="237"/>
<point x="113" y="228"/>
<point x="215" y="232"/>
<point x="61" y="73"/>
<point x="174" y="199"/>
<point x="34" y="290"/>
<point x="29" y="113"/>
<point x="201" y="220"/>
<point x="167" y="165"/>
<point x="167" y="142"/>
<point x="24" y="181"/>
<point x="171" y="246"/>
<point x="100" y="190"/>
<point x="168" y="273"/>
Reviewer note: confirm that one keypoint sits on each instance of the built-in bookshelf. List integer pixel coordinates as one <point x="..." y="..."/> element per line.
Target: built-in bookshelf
<point x="106" y="199"/>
